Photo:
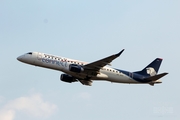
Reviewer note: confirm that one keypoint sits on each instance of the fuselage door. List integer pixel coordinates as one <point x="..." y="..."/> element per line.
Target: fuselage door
<point x="130" y="74"/>
<point x="39" y="56"/>
<point x="39" y="59"/>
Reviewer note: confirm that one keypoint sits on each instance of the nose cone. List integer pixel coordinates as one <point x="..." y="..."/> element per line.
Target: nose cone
<point x="20" y="58"/>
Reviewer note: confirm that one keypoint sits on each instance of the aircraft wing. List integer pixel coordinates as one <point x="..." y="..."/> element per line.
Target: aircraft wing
<point x="97" y="65"/>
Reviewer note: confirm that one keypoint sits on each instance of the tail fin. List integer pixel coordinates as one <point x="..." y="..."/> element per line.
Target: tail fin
<point x="152" y="68"/>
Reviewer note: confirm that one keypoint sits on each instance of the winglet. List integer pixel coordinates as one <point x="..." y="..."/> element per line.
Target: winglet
<point x="117" y="55"/>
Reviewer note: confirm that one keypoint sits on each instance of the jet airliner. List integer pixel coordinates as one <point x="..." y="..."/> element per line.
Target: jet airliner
<point x="86" y="73"/>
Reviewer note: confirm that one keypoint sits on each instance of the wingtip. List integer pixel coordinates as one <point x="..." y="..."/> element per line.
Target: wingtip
<point x="120" y="53"/>
<point x="166" y="73"/>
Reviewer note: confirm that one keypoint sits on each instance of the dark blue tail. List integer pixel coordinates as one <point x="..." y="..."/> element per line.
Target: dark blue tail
<point x="151" y="69"/>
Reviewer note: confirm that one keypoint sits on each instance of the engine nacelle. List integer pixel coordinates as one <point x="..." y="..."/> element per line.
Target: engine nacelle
<point x="75" y="68"/>
<point x="67" y="78"/>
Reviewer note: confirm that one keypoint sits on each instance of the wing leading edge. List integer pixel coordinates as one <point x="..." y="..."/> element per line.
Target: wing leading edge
<point x="97" y="65"/>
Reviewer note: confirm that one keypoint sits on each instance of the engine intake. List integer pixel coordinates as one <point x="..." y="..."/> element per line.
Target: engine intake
<point x="75" y="68"/>
<point x="67" y="78"/>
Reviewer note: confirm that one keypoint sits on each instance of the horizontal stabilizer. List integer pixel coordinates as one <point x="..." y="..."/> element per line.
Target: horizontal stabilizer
<point x="156" y="77"/>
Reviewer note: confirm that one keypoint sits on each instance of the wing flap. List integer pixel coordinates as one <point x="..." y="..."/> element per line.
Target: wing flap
<point x="86" y="82"/>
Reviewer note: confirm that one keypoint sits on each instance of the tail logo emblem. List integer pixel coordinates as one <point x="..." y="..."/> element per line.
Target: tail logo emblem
<point x="151" y="71"/>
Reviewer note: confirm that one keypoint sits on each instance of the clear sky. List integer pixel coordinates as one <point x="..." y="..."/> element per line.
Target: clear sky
<point x="89" y="30"/>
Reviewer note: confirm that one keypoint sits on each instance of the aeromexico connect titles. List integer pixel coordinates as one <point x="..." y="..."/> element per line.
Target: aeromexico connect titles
<point x="99" y="70"/>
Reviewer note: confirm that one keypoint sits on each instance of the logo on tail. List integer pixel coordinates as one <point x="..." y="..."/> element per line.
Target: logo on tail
<point x="151" y="71"/>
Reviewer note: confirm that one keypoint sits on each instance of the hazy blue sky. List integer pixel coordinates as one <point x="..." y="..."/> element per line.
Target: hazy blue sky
<point x="89" y="30"/>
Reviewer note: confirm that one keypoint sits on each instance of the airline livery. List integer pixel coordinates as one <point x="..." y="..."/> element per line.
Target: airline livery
<point x="99" y="70"/>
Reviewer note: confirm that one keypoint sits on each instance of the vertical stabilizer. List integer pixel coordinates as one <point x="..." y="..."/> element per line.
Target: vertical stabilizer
<point x="152" y="68"/>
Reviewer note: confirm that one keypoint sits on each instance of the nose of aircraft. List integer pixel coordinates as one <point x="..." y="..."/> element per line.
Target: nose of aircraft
<point x="19" y="58"/>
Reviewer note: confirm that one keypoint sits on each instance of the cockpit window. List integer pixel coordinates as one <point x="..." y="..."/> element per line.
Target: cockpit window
<point x="30" y="53"/>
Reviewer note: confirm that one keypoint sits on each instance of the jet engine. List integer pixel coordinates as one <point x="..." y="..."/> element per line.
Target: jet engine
<point x="67" y="78"/>
<point x="75" y="68"/>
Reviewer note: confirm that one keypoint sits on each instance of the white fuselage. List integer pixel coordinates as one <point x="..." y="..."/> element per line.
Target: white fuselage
<point x="62" y="64"/>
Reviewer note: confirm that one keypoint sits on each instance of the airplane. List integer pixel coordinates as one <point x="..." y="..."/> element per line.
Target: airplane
<point x="86" y="73"/>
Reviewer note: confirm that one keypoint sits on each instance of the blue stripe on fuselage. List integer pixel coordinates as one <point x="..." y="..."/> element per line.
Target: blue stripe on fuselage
<point x="134" y="76"/>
